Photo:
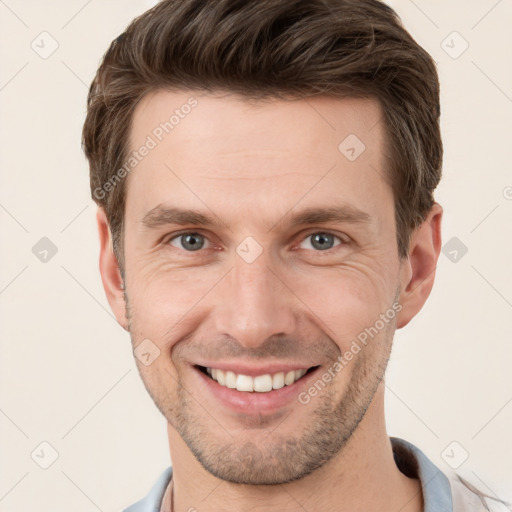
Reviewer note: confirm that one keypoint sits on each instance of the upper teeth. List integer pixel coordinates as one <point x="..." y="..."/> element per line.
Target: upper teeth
<point x="261" y="383"/>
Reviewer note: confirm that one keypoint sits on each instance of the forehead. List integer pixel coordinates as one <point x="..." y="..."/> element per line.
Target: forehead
<point x="209" y="117"/>
<point x="224" y="147"/>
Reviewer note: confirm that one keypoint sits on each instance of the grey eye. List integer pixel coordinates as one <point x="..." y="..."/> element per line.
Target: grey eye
<point x="189" y="241"/>
<point x="321" y="241"/>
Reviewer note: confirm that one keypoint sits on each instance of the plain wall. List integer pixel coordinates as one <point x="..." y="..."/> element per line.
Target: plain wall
<point x="67" y="375"/>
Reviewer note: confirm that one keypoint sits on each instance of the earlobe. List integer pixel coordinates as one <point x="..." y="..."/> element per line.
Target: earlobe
<point x="110" y="272"/>
<point x="418" y="269"/>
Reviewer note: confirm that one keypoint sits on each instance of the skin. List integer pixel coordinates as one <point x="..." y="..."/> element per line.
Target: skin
<point x="251" y="167"/>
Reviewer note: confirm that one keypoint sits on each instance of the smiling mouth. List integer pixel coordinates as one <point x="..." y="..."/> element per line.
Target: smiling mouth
<point x="260" y="383"/>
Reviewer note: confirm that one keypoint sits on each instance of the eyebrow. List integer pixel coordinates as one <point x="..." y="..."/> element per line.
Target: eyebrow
<point x="162" y="215"/>
<point x="341" y="214"/>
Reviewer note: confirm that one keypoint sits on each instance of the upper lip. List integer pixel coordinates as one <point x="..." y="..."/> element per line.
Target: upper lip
<point x="255" y="370"/>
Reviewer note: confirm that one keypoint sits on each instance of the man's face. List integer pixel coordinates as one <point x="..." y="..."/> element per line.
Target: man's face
<point x="263" y="282"/>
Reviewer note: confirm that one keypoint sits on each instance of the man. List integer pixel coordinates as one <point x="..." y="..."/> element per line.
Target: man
<point x="264" y="172"/>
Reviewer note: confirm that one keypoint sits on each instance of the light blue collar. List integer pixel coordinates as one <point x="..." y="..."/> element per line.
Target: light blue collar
<point x="437" y="494"/>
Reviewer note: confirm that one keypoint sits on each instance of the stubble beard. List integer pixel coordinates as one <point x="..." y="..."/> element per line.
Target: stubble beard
<point x="265" y="456"/>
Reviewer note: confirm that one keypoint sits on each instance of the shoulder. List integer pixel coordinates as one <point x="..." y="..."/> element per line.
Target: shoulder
<point x="468" y="498"/>
<point x="153" y="500"/>
<point x="443" y="491"/>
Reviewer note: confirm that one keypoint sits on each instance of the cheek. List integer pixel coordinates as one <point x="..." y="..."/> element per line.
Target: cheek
<point x="163" y="301"/>
<point x="344" y="302"/>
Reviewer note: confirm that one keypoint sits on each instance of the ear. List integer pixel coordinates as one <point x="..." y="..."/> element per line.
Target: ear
<point x="418" y="270"/>
<point x="109" y="270"/>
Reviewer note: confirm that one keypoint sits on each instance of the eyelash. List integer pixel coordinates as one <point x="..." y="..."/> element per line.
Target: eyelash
<point x="343" y="242"/>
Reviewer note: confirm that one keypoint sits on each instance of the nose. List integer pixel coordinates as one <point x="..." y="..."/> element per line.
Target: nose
<point x="254" y="303"/>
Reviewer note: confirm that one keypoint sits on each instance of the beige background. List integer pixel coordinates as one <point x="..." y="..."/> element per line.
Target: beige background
<point x="67" y="375"/>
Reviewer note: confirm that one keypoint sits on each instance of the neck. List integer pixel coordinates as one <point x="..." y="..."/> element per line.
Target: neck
<point x="363" y="476"/>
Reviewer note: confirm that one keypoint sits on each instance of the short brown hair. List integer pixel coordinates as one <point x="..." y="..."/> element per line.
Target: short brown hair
<point x="272" y="49"/>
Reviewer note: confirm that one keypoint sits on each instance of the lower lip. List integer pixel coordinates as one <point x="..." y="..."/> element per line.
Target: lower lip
<point x="255" y="402"/>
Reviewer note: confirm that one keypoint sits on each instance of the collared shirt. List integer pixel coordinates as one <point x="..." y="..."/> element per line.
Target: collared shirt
<point x="440" y="494"/>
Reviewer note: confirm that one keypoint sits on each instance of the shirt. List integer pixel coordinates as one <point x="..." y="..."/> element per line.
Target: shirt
<point x="440" y="493"/>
